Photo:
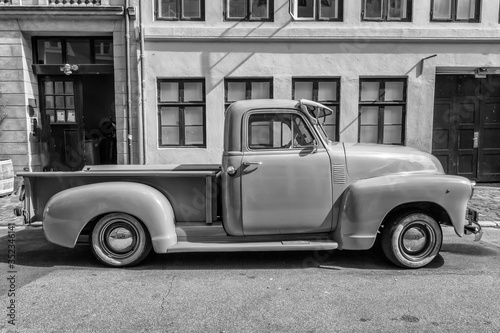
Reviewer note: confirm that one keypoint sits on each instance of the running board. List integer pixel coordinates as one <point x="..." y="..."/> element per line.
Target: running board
<point x="297" y="245"/>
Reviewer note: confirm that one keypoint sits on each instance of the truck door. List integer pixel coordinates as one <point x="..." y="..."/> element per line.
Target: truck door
<point x="286" y="184"/>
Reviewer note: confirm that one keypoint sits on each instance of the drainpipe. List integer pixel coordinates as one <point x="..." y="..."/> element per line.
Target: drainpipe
<point x="142" y="139"/>
<point x="129" y="91"/>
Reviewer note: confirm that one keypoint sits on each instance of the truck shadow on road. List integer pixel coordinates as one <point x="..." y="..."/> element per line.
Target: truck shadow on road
<point x="32" y="249"/>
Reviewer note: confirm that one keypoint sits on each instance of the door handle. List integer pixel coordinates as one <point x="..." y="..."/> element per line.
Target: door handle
<point x="252" y="163"/>
<point x="475" y="140"/>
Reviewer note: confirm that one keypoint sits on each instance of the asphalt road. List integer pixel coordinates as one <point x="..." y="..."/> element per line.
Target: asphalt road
<point x="66" y="290"/>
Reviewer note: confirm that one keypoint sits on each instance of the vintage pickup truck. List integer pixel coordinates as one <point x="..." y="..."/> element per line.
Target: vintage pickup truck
<point x="282" y="186"/>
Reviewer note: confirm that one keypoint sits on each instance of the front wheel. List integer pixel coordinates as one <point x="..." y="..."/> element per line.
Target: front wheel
<point x="412" y="240"/>
<point x="120" y="240"/>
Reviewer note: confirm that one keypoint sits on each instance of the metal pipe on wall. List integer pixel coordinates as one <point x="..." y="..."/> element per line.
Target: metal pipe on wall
<point x="142" y="139"/>
<point x="129" y="91"/>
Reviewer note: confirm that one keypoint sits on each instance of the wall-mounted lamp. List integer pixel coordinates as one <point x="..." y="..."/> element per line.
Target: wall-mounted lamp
<point x="68" y="69"/>
<point x="34" y="126"/>
<point x="480" y="73"/>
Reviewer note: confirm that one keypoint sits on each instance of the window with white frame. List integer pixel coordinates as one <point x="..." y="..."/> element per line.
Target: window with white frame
<point x="325" y="91"/>
<point x="386" y="10"/>
<point x="248" y="10"/>
<point x="382" y="111"/>
<point x="328" y="10"/>
<point x="248" y="88"/>
<point x="181" y="10"/>
<point x="181" y="112"/>
<point x="455" y="10"/>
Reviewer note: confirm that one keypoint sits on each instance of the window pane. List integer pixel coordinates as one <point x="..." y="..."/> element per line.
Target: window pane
<point x="236" y="91"/>
<point x="49" y="52"/>
<point x="70" y="102"/>
<point x="331" y="119"/>
<point x="169" y="8"/>
<point x="78" y="52"/>
<point x="191" y="8"/>
<point x="392" y="134"/>
<point x="303" y="90"/>
<point x="393" y="91"/>
<point x="170" y="135"/>
<point x="370" y="91"/>
<point x="369" y="115"/>
<point x="60" y="102"/>
<point x="260" y="135"/>
<point x="329" y="9"/>
<point x="260" y="90"/>
<point x="304" y="137"/>
<point x="59" y="87"/>
<point x="49" y="88"/>
<point x="466" y="9"/>
<point x="327" y="91"/>
<point x="103" y="50"/>
<point x="441" y="9"/>
<point x="49" y="102"/>
<point x="193" y="115"/>
<point x="52" y="115"/>
<point x="373" y="9"/>
<point x="393" y="115"/>
<point x="330" y="131"/>
<point x="237" y="8"/>
<point x="260" y="9"/>
<point x="193" y="92"/>
<point x="368" y="134"/>
<point x="194" y="135"/>
<point x="169" y="91"/>
<point x="68" y="88"/>
<point x="169" y="115"/>
<point x="397" y="9"/>
<point x="306" y="8"/>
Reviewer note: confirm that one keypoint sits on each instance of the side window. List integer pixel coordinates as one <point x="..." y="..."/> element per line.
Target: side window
<point x="278" y="131"/>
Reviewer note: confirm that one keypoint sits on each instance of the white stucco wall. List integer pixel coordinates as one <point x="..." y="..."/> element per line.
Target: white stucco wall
<point x="214" y="49"/>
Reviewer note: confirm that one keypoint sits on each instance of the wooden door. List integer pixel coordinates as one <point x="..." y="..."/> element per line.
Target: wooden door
<point x="62" y="122"/>
<point x="466" y="132"/>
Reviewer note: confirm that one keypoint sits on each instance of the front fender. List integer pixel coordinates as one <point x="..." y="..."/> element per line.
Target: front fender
<point x="367" y="202"/>
<point x="67" y="212"/>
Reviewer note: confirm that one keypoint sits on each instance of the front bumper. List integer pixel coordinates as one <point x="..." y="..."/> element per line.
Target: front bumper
<point x="472" y="226"/>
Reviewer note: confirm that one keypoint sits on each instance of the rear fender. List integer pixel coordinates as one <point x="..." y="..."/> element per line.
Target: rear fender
<point x="367" y="202"/>
<point x="67" y="212"/>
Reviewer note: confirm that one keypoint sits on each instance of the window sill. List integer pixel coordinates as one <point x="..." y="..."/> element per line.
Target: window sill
<point x="77" y="11"/>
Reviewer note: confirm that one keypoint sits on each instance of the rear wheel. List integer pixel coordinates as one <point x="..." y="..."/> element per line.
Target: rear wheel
<point x="120" y="240"/>
<point x="412" y="240"/>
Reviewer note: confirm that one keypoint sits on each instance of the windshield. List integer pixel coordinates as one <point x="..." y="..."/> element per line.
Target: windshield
<point x="317" y="114"/>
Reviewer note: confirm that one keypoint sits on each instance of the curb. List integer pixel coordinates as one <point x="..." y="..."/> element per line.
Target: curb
<point x="489" y="224"/>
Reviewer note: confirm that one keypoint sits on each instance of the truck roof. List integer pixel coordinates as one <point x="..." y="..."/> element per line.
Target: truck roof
<point x="252" y="104"/>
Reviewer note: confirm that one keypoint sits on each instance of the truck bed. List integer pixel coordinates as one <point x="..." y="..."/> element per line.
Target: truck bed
<point x="193" y="189"/>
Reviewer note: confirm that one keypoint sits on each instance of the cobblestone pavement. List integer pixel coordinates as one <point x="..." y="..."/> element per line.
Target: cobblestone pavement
<point x="486" y="200"/>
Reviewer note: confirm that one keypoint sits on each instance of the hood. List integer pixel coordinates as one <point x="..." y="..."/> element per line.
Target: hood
<point x="372" y="160"/>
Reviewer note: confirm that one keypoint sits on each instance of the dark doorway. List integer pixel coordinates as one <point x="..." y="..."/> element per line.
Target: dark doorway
<point x="78" y="121"/>
<point x="99" y="119"/>
<point x="466" y="132"/>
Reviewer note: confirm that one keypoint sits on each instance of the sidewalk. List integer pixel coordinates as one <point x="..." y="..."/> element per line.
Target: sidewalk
<point x="486" y="200"/>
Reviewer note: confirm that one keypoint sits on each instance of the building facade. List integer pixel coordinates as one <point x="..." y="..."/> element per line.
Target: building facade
<point x="424" y="74"/>
<point x="65" y="80"/>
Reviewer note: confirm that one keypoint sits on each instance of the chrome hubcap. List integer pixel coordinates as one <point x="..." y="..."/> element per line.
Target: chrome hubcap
<point x="120" y="240"/>
<point x="414" y="240"/>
